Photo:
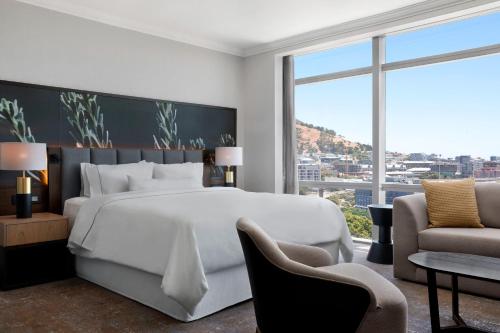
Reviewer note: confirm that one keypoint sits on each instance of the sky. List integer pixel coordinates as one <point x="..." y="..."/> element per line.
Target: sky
<point x="450" y="108"/>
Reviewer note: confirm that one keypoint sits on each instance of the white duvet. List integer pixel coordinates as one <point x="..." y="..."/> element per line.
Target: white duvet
<point x="184" y="235"/>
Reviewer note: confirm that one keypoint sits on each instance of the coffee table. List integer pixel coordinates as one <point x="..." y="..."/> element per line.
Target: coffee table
<point x="455" y="264"/>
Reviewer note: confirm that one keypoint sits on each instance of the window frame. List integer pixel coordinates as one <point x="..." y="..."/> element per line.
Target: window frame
<point x="379" y="67"/>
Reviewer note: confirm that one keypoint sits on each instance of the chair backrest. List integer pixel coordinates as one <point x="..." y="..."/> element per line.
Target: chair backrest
<point x="287" y="298"/>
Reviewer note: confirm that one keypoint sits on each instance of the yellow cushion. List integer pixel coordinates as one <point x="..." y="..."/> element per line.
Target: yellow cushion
<point x="452" y="203"/>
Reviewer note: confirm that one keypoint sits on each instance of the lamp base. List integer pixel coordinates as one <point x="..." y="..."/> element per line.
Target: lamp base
<point x="229" y="178"/>
<point x="23" y="205"/>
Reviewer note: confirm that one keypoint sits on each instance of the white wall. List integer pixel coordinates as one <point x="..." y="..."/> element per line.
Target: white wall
<point x="45" y="47"/>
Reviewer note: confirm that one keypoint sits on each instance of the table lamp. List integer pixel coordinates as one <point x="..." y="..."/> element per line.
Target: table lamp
<point x="229" y="156"/>
<point x="22" y="156"/>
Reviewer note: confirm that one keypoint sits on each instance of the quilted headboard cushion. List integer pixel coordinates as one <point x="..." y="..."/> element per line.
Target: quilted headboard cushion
<point x="68" y="165"/>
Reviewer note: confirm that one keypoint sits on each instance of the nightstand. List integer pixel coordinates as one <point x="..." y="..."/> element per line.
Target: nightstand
<point x="34" y="250"/>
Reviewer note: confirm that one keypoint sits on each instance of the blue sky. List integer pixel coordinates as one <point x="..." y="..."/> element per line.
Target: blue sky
<point x="449" y="109"/>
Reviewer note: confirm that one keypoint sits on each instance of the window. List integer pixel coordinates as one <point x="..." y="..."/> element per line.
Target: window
<point x="328" y="124"/>
<point x="334" y="131"/>
<point x="333" y="60"/>
<point x="441" y="115"/>
<point x="450" y="37"/>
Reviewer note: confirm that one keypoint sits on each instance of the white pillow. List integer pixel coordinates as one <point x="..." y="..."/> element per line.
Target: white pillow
<point x="138" y="184"/>
<point x="85" y="189"/>
<point x="106" y="179"/>
<point x="189" y="172"/>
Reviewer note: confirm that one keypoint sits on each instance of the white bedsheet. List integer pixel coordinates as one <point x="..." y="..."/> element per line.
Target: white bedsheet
<point x="71" y="208"/>
<point x="182" y="235"/>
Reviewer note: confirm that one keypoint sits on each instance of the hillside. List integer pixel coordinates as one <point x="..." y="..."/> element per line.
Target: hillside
<point x="315" y="139"/>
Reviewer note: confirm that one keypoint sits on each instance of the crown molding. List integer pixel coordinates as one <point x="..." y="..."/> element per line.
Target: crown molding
<point x="372" y="24"/>
<point x="112" y="20"/>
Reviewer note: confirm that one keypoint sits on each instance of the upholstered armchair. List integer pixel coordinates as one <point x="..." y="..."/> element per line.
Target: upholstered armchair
<point x="296" y="288"/>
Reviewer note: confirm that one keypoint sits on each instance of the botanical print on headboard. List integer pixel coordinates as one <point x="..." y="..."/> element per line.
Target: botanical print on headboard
<point x="66" y="117"/>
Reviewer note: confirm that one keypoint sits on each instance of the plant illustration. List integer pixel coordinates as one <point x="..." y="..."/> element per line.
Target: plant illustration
<point x="197" y="143"/>
<point x="226" y="140"/>
<point x="85" y="116"/>
<point x="12" y="114"/>
<point x="167" y="127"/>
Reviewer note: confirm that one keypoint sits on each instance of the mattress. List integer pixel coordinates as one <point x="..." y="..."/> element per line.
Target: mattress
<point x="71" y="208"/>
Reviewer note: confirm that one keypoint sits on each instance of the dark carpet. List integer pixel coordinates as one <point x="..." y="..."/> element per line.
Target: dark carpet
<point x="75" y="305"/>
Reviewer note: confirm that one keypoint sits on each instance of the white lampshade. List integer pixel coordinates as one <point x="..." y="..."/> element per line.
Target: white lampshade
<point x="23" y="156"/>
<point x="229" y="156"/>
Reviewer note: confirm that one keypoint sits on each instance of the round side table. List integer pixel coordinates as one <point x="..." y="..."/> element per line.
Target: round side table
<point x="381" y="250"/>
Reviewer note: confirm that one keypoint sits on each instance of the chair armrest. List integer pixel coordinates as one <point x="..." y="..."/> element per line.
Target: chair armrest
<point x="308" y="255"/>
<point x="409" y="218"/>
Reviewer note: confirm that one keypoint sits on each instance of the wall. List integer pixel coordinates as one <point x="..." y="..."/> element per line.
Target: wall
<point x="262" y="128"/>
<point x="49" y="48"/>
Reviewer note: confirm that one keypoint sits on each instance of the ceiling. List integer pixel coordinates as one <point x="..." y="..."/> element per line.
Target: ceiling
<point x="232" y="26"/>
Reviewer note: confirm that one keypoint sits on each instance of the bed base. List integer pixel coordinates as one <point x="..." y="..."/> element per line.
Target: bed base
<point x="226" y="287"/>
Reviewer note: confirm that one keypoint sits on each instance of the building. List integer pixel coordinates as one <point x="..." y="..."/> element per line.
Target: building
<point x="490" y="169"/>
<point x="309" y="172"/>
<point x="363" y="198"/>
<point x="466" y="166"/>
<point x="446" y="169"/>
<point x="329" y="158"/>
<point x="417" y="157"/>
<point x="349" y="168"/>
<point x="417" y="164"/>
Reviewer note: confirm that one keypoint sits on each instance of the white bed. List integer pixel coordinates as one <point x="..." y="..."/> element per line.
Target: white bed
<point x="205" y="272"/>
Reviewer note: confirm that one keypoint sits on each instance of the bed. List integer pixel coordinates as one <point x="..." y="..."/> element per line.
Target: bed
<point x="178" y="251"/>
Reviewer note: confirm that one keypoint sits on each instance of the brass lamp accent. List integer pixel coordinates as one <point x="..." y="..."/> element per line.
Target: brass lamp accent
<point x="229" y="176"/>
<point x="229" y="156"/>
<point x="24" y="184"/>
<point x="23" y="156"/>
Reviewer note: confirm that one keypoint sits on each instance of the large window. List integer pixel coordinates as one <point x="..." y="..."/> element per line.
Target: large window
<point x="437" y="90"/>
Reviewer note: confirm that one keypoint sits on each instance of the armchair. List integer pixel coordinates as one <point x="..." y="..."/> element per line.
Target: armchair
<point x="296" y="289"/>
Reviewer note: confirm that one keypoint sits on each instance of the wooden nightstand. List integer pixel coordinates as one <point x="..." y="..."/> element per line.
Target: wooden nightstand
<point x="33" y="250"/>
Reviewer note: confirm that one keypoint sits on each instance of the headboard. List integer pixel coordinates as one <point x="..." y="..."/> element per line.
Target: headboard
<point x="64" y="166"/>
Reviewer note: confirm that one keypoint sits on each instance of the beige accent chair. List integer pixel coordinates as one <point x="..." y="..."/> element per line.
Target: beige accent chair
<point x="297" y="289"/>
<point x="411" y="235"/>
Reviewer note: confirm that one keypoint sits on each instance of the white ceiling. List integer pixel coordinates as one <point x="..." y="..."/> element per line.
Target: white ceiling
<point x="232" y="26"/>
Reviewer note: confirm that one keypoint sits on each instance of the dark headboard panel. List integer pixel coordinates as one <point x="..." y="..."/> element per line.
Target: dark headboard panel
<point x="64" y="166"/>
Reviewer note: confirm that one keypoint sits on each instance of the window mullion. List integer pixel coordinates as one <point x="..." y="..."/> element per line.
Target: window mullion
<point x="378" y="119"/>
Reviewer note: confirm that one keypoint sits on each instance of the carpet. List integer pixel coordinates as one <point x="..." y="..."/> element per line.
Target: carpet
<point x="75" y="305"/>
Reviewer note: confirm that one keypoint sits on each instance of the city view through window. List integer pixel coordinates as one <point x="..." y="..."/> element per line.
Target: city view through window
<point x="441" y="119"/>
